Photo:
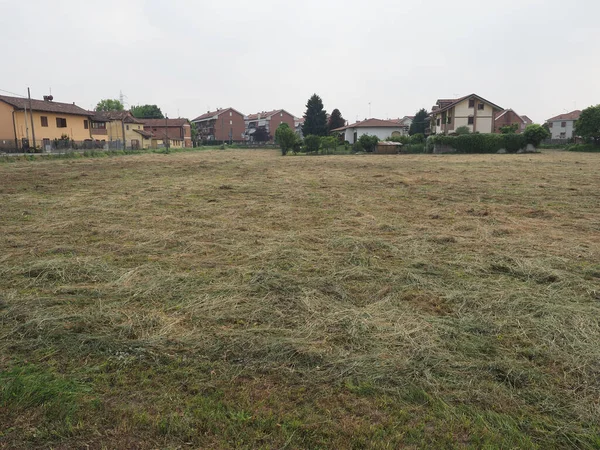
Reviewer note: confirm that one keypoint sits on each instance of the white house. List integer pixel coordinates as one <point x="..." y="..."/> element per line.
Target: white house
<point x="563" y="126"/>
<point x="383" y="129"/>
<point x="471" y="111"/>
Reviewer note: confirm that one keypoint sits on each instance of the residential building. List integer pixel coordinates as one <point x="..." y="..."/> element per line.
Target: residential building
<point x="471" y="111"/>
<point x="269" y="121"/>
<point x="221" y="125"/>
<point x="406" y="122"/>
<point x="563" y="125"/>
<point x="47" y="120"/>
<point x="383" y="129"/>
<point x="111" y="129"/>
<point x="177" y="131"/>
<point x="510" y="117"/>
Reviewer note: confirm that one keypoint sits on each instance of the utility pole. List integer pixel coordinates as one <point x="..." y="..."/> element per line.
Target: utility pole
<point x="31" y="115"/>
<point x="166" y="132"/>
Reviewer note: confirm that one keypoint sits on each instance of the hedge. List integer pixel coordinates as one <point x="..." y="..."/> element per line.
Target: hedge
<point x="583" y="148"/>
<point x="479" y="142"/>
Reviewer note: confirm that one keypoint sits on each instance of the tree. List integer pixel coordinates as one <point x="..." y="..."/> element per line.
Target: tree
<point x="462" y="130"/>
<point x="335" y="120"/>
<point x="419" y="123"/>
<point x="194" y="130"/>
<point x="286" y="138"/>
<point x="588" y="125"/>
<point x="315" y="118"/>
<point x="261" y="135"/>
<point x="535" y="134"/>
<point x="147" y="112"/>
<point x="329" y="143"/>
<point x="312" y="143"/>
<point x="509" y="129"/>
<point x="368" y="143"/>
<point x="109" y="105"/>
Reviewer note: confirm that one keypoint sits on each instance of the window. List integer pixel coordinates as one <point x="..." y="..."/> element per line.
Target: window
<point x="85" y="124"/>
<point x="280" y="114"/>
<point x="61" y="123"/>
<point x="563" y="124"/>
<point x="44" y="121"/>
<point x="480" y="106"/>
<point x="550" y="124"/>
<point x="563" y="135"/>
<point x="471" y="120"/>
<point x="99" y="125"/>
<point x="438" y="122"/>
<point x="127" y="127"/>
<point x="231" y="122"/>
<point x="472" y="103"/>
<point x="449" y="119"/>
<point x="230" y="114"/>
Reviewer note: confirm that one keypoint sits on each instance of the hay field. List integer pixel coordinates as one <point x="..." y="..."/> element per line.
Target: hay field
<point x="240" y="299"/>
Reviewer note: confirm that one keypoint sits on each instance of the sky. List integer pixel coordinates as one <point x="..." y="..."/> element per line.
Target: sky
<point x="376" y="58"/>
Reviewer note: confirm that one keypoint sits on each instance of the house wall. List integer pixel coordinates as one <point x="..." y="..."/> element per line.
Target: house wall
<point x="509" y="118"/>
<point x="75" y="126"/>
<point x="7" y="133"/>
<point x="556" y="129"/>
<point x="278" y="119"/>
<point x="230" y="122"/>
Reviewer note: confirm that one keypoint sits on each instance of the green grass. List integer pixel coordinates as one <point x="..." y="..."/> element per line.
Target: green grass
<point x="239" y="299"/>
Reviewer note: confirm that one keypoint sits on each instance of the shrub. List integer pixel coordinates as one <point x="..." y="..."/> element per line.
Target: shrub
<point x="413" y="148"/>
<point x="312" y="143"/>
<point x="534" y="134"/>
<point x="329" y="143"/>
<point x="418" y="138"/>
<point x="401" y="139"/>
<point x="286" y="138"/>
<point x="478" y="143"/>
<point x="462" y="130"/>
<point x="368" y="142"/>
<point x="583" y="148"/>
<point x="357" y="147"/>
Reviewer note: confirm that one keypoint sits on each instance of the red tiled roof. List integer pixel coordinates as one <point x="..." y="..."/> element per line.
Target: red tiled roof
<point x="372" y="123"/>
<point x="45" y="106"/>
<point x="107" y="116"/>
<point x="163" y="122"/>
<point x="446" y="104"/>
<point x="264" y="114"/>
<point x="573" y="115"/>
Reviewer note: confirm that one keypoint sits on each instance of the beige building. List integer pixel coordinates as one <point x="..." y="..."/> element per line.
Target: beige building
<point x="110" y="127"/>
<point x="471" y="111"/>
<point x="49" y="121"/>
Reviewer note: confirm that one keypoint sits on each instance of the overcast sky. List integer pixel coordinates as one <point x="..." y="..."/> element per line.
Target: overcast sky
<point x="539" y="57"/>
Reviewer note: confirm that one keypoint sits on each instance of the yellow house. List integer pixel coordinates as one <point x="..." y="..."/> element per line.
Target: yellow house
<point x="111" y="126"/>
<point x="41" y="123"/>
<point x="471" y="111"/>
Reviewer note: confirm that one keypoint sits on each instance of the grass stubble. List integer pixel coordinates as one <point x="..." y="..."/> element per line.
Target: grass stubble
<point x="238" y="299"/>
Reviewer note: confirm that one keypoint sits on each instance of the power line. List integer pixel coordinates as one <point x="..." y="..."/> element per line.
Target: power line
<point x="12" y="93"/>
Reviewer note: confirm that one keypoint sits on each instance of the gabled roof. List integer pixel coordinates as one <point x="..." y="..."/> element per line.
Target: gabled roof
<point x="573" y="115"/>
<point x="446" y="104"/>
<point x="267" y="114"/>
<point x="45" y="106"/>
<point x="164" y="122"/>
<point x="521" y="118"/>
<point x="214" y="114"/>
<point x="372" y="123"/>
<point x="107" y="116"/>
<point x="145" y="134"/>
<point x="527" y="119"/>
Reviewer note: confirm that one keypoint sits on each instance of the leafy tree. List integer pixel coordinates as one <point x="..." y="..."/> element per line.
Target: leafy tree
<point x="335" y="120"/>
<point x="535" y="134"/>
<point x="509" y="129"/>
<point x="462" y="130"/>
<point x="312" y="143"/>
<point x="261" y="135"/>
<point x="315" y="118"/>
<point x="194" y="131"/>
<point x="419" y="123"/>
<point x="286" y="138"/>
<point x="147" y="112"/>
<point x="588" y="125"/>
<point x="329" y="143"/>
<point x="417" y="138"/>
<point x="368" y="143"/>
<point x="109" y="105"/>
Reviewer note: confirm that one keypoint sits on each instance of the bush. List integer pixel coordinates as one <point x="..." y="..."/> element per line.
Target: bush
<point x="418" y="138"/>
<point x="368" y="142"/>
<point x="357" y="147"/>
<point x="460" y="131"/>
<point x="401" y="139"/>
<point x="583" y="148"/>
<point x="478" y="143"/>
<point x="312" y="143"/>
<point x="413" y="148"/>
<point x="534" y="134"/>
